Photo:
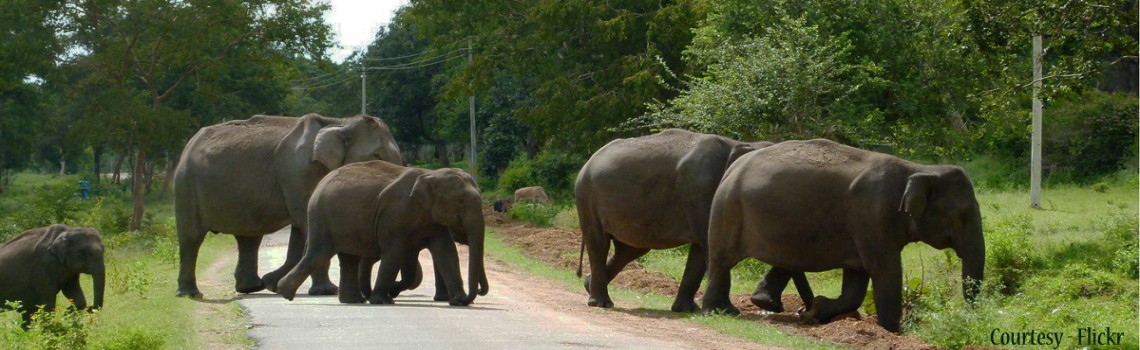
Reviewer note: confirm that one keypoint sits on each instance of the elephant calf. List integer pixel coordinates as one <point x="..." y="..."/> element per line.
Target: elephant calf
<point x="38" y="264"/>
<point x="368" y="210"/>
<point x="818" y="205"/>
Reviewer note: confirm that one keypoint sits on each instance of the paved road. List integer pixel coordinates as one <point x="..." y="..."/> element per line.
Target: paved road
<point x="509" y="317"/>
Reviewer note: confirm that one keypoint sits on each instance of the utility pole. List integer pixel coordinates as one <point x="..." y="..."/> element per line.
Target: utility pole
<point x="473" y="162"/>
<point x="1035" y="144"/>
<point x="363" y="77"/>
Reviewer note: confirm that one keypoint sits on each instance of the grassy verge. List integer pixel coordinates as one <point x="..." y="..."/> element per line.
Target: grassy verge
<point x="140" y="310"/>
<point x="649" y="302"/>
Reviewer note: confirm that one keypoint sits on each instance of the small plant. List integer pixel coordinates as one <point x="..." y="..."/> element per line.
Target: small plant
<point x="131" y="278"/>
<point x="535" y="213"/>
<point x="1100" y="187"/>
<point x="1006" y="252"/>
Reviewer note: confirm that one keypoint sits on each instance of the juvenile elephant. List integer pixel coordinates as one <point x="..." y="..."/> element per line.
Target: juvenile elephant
<point x="38" y="264"/>
<point x="534" y="194"/>
<point x="380" y="210"/>
<point x="252" y="177"/>
<point x="653" y="192"/>
<point x="818" y="205"/>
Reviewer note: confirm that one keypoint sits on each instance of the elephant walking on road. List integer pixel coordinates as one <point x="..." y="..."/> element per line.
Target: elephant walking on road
<point x="376" y="209"/>
<point x="818" y="205"/>
<point x="38" y="264"/>
<point x="654" y="192"/>
<point x="252" y="177"/>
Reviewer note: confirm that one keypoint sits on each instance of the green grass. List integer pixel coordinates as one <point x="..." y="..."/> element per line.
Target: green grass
<point x="648" y="303"/>
<point x="140" y="310"/>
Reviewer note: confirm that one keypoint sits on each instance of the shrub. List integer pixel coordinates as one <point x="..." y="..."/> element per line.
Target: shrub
<point x="538" y="214"/>
<point x="64" y="328"/>
<point x="1121" y="232"/>
<point x="1091" y="134"/>
<point x="552" y="170"/>
<point x="133" y="339"/>
<point x="1007" y="255"/>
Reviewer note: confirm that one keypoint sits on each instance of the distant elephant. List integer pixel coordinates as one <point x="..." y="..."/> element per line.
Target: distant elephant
<point x="377" y="209"/>
<point x="535" y="194"/>
<point x="502" y="205"/>
<point x="817" y="205"/>
<point x="252" y="177"/>
<point x="652" y="192"/>
<point x="38" y="264"/>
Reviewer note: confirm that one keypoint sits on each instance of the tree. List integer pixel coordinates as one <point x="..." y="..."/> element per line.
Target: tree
<point x="145" y="52"/>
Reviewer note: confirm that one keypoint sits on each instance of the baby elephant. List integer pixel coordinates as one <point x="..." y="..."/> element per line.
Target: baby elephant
<point x="369" y="210"/>
<point x="39" y="263"/>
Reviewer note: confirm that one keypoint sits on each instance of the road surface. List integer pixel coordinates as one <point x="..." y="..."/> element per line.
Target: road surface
<point x="517" y="313"/>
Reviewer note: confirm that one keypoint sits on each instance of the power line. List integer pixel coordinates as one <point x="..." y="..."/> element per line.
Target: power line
<point x="312" y="87"/>
<point x="416" y="65"/>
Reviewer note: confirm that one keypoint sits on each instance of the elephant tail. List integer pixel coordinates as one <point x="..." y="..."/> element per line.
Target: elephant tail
<point x="581" y="253"/>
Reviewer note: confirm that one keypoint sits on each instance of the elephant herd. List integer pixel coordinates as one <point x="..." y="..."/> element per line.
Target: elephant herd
<point x="800" y="206"/>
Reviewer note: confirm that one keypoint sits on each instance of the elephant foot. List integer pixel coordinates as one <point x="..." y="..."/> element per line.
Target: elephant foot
<point x="441" y="297"/>
<point x="604" y="303"/>
<point x="459" y="301"/>
<point x="685" y="305"/>
<point x="725" y="307"/>
<point x="270" y="280"/>
<point x="192" y="293"/>
<point x="351" y="299"/>
<point x="250" y="287"/>
<point x="323" y="289"/>
<point x="767" y="302"/>
<point x="819" y="310"/>
<point x="586" y="282"/>
<point x="380" y="298"/>
<point x="288" y="295"/>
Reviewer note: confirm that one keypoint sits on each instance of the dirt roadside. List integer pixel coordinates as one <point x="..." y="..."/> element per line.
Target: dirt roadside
<point x="559" y="247"/>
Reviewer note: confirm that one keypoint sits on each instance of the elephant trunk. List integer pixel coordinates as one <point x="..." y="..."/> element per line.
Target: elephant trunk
<point x="972" y="251"/>
<point x="98" y="279"/>
<point x="477" y="276"/>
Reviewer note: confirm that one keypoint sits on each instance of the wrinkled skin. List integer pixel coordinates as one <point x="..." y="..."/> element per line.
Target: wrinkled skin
<point x="371" y="210"/>
<point x="252" y="177"/>
<point x="651" y="192"/>
<point x="40" y="263"/>
<point x="818" y="205"/>
<point x="534" y="194"/>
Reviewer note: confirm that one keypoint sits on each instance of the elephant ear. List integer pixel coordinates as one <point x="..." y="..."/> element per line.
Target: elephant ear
<point x="421" y="190"/>
<point x="329" y="147"/>
<point x="917" y="194"/>
<point x="58" y="245"/>
<point x="737" y="152"/>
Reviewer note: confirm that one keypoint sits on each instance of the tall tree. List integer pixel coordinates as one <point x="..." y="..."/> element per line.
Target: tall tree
<point x="146" y="51"/>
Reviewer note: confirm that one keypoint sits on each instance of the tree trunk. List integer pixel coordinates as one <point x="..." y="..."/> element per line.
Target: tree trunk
<point x="531" y="147"/>
<point x="137" y="190"/>
<point x="62" y="166"/>
<point x="2" y="179"/>
<point x="149" y="173"/>
<point x="171" y="160"/>
<point x="97" y="152"/>
<point x="119" y="168"/>
<point x="441" y="154"/>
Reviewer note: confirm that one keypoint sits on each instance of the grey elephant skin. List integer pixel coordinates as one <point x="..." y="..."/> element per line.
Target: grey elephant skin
<point x="817" y="205"/>
<point x="652" y="192"/>
<point x="376" y="209"/>
<point x="252" y="177"/>
<point x="40" y="263"/>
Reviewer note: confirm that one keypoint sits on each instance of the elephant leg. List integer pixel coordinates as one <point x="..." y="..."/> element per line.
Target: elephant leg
<point x="350" y="272"/>
<point x="854" y="289"/>
<point x="190" y="238"/>
<point x="245" y="274"/>
<point x="691" y="280"/>
<point x="74" y="293"/>
<point x="390" y="261"/>
<point x="598" y="247"/>
<point x="888" y="294"/>
<point x="720" y="283"/>
<point x="292" y="256"/>
<point x="441" y="293"/>
<point x="446" y="260"/>
<point x="769" y="290"/>
<point x="804" y="289"/>
<point x="411" y="275"/>
<point x="316" y="256"/>
<point x="365" y="275"/>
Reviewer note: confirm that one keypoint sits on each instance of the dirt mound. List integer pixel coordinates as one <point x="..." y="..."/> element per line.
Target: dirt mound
<point x="559" y="247"/>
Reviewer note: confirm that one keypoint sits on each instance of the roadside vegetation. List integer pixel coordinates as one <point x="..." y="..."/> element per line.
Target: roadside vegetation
<point x="140" y="310"/>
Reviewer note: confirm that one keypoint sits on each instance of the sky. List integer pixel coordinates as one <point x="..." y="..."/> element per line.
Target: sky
<point x="355" y="22"/>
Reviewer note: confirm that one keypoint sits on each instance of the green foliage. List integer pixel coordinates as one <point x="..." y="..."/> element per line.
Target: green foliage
<point x="1007" y="256"/>
<point x="1091" y="134"/>
<point x="64" y="328"/>
<point x="535" y="213"/>
<point x="1120" y="240"/>
<point x="554" y="171"/>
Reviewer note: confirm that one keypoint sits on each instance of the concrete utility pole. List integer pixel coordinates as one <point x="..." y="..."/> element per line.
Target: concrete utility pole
<point x="1035" y="148"/>
<point x="473" y="161"/>
<point x="363" y="77"/>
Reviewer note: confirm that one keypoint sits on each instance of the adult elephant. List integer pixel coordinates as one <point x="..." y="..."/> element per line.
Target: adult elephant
<point x="652" y="192"/>
<point x="40" y="263"/>
<point x="252" y="177"/>
<point x="817" y="205"/>
<point x="376" y="209"/>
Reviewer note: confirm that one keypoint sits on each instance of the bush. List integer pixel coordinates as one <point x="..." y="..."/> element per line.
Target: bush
<point x="64" y="328"/>
<point x="1121" y="233"/>
<point x="1007" y="255"/>
<point x="554" y="171"/>
<point x="1090" y="135"/>
<point x="538" y="214"/>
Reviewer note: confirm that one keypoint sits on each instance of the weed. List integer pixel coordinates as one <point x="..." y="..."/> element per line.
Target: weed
<point x="1007" y="255"/>
<point x="535" y="213"/>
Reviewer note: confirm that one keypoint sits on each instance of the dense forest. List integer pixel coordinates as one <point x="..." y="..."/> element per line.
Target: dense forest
<point x="110" y="86"/>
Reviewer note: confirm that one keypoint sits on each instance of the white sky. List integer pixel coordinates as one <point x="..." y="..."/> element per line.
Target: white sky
<point x="355" y="22"/>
